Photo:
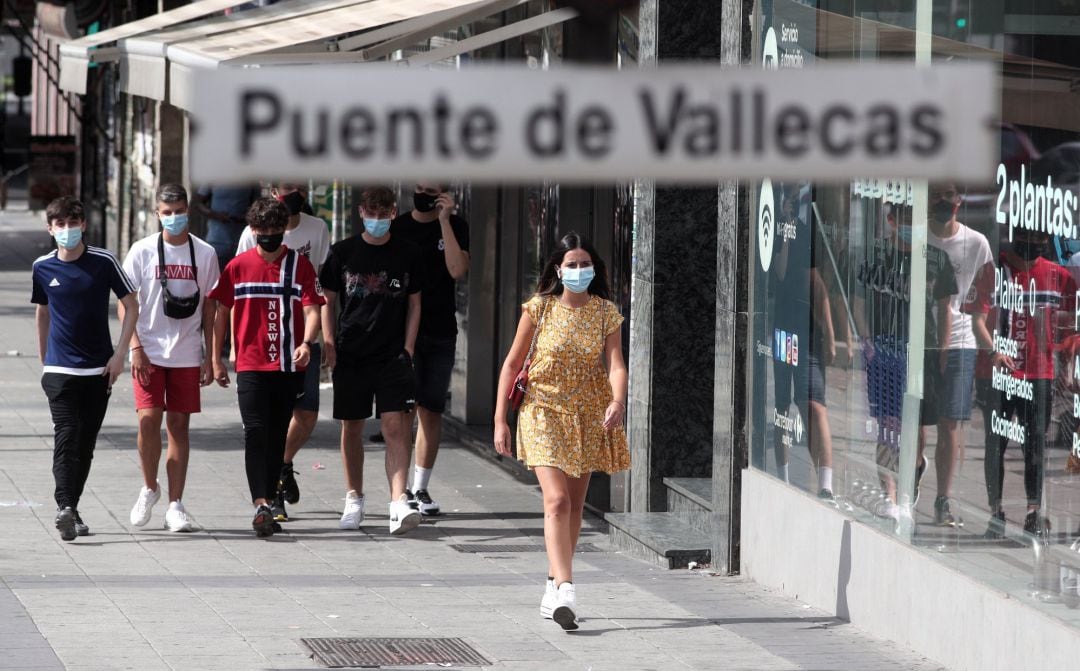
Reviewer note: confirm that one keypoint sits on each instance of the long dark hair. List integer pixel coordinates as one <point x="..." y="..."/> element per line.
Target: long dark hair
<point x="549" y="284"/>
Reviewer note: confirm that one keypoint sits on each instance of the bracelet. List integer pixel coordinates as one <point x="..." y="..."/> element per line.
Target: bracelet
<point x="619" y="402"/>
<point x="132" y="349"/>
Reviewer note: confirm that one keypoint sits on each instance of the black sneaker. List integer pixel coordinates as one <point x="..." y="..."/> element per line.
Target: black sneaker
<point x="263" y="522"/>
<point x="277" y="509"/>
<point x="1035" y="524"/>
<point x="377" y="437"/>
<point x="426" y="505"/>
<point x="413" y="503"/>
<point x="80" y="527"/>
<point x="287" y="487"/>
<point x="920" y="470"/>
<point x="943" y="516"/>
<point x="65" y="523"/>
<point x="995" y="529"/>
<point x="826" y="496"/>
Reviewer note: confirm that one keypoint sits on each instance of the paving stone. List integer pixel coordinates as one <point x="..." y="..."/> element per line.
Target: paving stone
<point x="142" y="598"/>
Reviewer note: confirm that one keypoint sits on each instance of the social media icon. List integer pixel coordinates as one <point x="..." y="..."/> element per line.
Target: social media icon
<point x="795" y="350"/>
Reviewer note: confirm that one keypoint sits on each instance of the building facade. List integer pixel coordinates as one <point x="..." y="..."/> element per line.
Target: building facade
<point x="867" y="402"/>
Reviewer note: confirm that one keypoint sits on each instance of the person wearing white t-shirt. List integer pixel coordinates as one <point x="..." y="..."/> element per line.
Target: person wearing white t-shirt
<point x="309" y="236"/>
<point x="172" y="271"/>
<point x="969" y="253"/>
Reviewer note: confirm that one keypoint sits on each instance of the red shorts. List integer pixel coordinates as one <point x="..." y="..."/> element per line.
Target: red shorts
<point x="174" y="389"/>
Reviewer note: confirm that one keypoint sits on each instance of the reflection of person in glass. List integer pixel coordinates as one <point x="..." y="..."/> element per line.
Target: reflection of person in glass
<point x="792" y="273"/>
<point x="1023" y="302"/>
<point x="969" y="252"/>
<point x="882" y="315"/>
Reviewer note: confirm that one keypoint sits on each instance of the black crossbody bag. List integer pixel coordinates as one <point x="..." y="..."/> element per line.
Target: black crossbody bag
<point x="177" y="307"/>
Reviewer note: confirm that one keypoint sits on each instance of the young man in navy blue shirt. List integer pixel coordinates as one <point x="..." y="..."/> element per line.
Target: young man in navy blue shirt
<point x="71" y="291"/>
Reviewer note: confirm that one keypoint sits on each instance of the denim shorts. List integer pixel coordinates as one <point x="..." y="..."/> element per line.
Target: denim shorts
<point x="433" y="361"/>
<point x="957" y="389"/>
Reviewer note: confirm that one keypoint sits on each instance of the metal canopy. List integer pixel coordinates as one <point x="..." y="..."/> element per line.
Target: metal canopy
<point x="75" y="56"/>
<point x="240" y="46"/>
<point x="143" y="68"/>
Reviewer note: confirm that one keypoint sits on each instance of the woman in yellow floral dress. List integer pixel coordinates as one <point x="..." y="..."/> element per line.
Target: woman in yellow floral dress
<point x="571" y="420"/>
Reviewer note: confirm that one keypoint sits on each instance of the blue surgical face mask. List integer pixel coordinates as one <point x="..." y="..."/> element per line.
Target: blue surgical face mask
<point x="68" y="238"/>
<point x="376" y="228"/>
<point x="578" y="280"/>
<point x="175" y="224"/>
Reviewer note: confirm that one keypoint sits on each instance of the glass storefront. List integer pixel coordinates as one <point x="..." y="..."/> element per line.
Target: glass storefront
<point x="915" y="345"/>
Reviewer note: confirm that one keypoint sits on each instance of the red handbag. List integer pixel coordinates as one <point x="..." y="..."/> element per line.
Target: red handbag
<point x="521" y="382"/>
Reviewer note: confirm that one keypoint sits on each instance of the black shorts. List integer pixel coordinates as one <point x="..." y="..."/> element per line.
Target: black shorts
<point x="310" y="399"/>
<point x="391" y="385"/>
<point x="434" y="363"/>
<point x="808" y="379"/>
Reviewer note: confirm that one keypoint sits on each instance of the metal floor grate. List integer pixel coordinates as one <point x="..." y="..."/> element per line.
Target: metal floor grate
<point x="369" y="653"/>
<point x="490" y="548"/>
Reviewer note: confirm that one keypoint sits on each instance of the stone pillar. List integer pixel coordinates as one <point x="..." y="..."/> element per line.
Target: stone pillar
<point x="730" y="411"/>
<point x="673" y="304"/>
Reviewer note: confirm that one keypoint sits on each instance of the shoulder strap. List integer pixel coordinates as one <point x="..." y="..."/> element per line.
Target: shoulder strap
<point x="194" y="266"/>
<point x="162" y="275"/>
<point x="536" y="331"/>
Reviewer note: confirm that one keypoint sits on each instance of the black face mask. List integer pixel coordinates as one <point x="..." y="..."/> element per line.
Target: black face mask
<point x="294" y="201"/>
<point x="424" y="202"/>
<point x="941" y="211"/>
<point x="1027" y="250"/>
<point x="268" y="242"/>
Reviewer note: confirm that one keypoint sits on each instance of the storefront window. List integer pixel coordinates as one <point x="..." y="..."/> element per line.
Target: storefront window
<point x="916" y="344"/>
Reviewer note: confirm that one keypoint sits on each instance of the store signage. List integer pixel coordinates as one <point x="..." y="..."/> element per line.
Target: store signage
<point x="1043" y="206"/>
<point x="792" y="427"/>
<point x="766" y="224"/>
<point x="695" y="124"/>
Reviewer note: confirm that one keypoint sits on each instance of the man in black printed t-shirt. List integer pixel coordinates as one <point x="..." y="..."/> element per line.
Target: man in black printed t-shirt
<point x="443" y="238"/>
<point x="372" y="286"/>
<point x="882" y="315"/>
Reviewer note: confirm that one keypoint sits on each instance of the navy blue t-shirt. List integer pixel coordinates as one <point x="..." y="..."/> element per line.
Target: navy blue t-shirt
<point x="77" y="294"/>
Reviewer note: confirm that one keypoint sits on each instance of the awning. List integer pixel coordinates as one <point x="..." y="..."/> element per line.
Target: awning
<point x="75" y="56"/>
<point x="238" y="46"/>
<point x="143" y="68"/>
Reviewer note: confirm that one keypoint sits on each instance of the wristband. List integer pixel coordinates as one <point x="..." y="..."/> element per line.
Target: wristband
<point x="132" y="349"/>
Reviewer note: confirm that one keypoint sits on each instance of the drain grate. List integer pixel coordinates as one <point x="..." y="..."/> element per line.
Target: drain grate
<point x="489" y="548"/>
<point x="369" y="653"/>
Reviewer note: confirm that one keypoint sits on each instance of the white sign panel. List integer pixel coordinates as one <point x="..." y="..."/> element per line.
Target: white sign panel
<point x="694" y="124"/>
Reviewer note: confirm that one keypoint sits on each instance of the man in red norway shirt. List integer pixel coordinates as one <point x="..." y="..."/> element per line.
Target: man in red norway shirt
<point x="268" y="287"/>
<point x="1025" y="304"/>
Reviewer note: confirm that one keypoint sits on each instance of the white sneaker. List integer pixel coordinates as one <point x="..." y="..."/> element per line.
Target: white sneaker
<point x="144" y="506"/>
<point x="176" y="518"/>
<point x="566" y="603"/>
<point x="550" y="600"/>
<point x="403" y="517"/>
<point x="886" y="509"/>
<point x="354" y="511"/>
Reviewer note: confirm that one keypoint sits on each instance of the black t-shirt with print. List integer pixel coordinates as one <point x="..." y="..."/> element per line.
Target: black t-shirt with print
<point x="887" y="283"/>
<point x="438" y="302"/>
<point x="373" y="284"/>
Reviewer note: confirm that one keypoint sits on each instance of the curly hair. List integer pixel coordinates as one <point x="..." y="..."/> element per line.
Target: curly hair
<point x="267" y="213"/>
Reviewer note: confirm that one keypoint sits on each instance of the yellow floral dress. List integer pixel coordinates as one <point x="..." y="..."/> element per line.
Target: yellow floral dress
<point x="561" y="420"/>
